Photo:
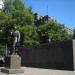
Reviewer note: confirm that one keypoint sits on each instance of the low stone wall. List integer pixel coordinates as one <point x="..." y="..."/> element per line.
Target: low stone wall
<point x="51" y="56"/>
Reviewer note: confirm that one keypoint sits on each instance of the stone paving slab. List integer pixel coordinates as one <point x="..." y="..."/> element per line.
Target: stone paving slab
<point x="38" y="71"/>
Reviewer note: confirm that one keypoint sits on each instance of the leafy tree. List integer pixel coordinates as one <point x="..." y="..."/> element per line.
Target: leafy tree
<point x="54" y="31"/>
<point x="29" y="35"/>
<point x="15" y="13"/>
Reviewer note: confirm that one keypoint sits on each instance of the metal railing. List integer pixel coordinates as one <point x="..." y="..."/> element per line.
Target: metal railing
<point x="3" y="49"/>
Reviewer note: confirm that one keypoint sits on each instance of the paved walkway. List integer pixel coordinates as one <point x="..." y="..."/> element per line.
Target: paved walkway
<point x="37" y="71"/>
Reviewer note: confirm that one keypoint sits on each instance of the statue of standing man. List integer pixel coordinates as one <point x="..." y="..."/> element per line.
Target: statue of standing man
<point x="16" y="40"/>
<point x="13" y="61"/>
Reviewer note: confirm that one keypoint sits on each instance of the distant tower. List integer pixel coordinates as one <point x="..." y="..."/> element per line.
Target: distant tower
<point x="1" y="4"/>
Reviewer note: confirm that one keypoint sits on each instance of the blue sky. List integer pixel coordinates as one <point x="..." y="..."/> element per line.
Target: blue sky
<point x="61" y="10"/>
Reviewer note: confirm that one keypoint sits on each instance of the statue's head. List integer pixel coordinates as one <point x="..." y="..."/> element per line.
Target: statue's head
<point x="15" y="28"/>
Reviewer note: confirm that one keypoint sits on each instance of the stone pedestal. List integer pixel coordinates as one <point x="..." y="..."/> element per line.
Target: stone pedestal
<point x="12" y="65"/>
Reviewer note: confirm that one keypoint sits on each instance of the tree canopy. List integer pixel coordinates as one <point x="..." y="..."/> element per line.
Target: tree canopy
<point x="16" y="13"/>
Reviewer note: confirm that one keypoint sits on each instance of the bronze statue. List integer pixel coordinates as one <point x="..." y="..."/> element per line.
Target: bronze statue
<point x="15" y="35"/>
